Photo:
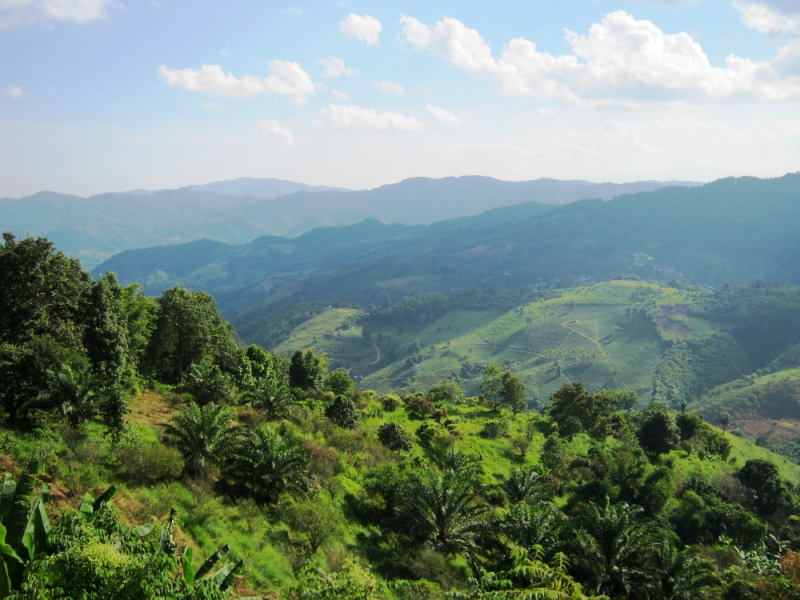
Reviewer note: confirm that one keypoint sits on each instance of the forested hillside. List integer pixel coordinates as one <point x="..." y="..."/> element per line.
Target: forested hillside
<point x="269" y="474"/>
<point x="238" y="211"/>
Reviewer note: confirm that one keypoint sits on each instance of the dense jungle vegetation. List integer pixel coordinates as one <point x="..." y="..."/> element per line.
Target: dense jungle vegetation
<point x="149" y="455"/>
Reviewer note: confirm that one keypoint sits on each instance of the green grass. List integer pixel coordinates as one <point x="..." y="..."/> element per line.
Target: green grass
<point x="330" y="332"/>
<point x="589" y="332"/>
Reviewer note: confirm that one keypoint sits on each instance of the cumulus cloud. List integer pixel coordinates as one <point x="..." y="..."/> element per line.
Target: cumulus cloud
<point x="13" y="91"/>
<point x="340" y="94"/>
<point x="767" y="20"/>
<point x="440" y="114"/>
<point x="286" y="79"/>
<point x="356" y="117"/>
<point x="621" y="61"/>
<point x="389" y="88"/>
<point x="367" y="29"/>
<point x="27" y="12"/>
<point x="335" y="67"/>
<point x="272" y="129"/>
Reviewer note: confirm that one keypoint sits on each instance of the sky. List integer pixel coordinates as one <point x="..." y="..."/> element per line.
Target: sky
<point x="112" y="95"/>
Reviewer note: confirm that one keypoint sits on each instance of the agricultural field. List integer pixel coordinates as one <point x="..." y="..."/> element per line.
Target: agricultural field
<point x="597" y="334"/>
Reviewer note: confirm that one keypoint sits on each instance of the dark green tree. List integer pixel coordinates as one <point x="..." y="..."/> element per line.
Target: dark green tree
<point x="189" y="331"/>
<point x="342" y="411"/>
<point x="574" y="410"/>
<point x="444" y="510"/>
<point x="205" y="435"/>
<point x="512" y="392"/>
<point x="446" y="391"/>
<point x="276" y="400"/>
<point x="394" y="437"/>
<point x="106" y="335"/>
<point x="266" y="465"/>
<point x="525" y="485"/>
<point x="658" y="432"/>
<point x="307" y="370"/>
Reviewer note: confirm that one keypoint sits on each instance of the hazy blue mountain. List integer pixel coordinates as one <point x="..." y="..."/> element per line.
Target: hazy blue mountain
<point x="97" y="227"/>
<point x="261" y="188"/>
<point x="728" y="231"/>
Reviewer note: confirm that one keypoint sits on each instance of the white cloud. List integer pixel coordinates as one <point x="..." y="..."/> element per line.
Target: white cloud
<point x="335" y="67"/>
<point x="545" y="112"/>
<point x="27" y="12"/>
<point x="765" y="20"/>
<point x="622" y="61"/>
<point x="211" y="106"/>
<point x="13" y="91"/>
<point x="340" y="95"/>
<point x="286" y="79"/>
<point x="271" y="128"/>
<point x="367" y="29"/>
<point x="440" y="114"/>
<point x="356" y="117"/>
<point x="389" y="88"/>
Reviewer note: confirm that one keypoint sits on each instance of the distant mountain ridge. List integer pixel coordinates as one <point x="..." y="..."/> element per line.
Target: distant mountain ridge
<point x="97" y="227"/>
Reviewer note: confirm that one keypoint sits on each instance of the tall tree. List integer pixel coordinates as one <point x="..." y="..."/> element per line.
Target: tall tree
<point x="512" y="392"/>
<point x="204" y="434"/>
<point x="106" y="334"/>
<point x="189" y="330"/>
<point x="575" y="410"/>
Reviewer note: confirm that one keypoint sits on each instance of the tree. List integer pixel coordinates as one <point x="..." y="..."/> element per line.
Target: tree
<point x="74" y="393"/>
<point x="266" y="465"/>
<point x="658" y="432"/>
<point x="724" y="418"/>
<point x="512" y="392"/>
<point x="528" y="525"/>
<point x="394" y="437"/>
<point x="189" y="331"/>
<point x="339" y="383"/>
<point x="444" y="510"/>
<point x="525" y="485"/>
<point x="446" y="391"/>
<point x="492" y="383"/>
<point x="276" y="400"/>
<point x="613" y="546"/>
<point x="682" y="574"/>
<point x="106" y="334"/>
<point x="574" y="410"/>
<point x="342" y="411"/>
<point x="205" y="435"/>
<point x="317" y="521"/>
<point x="307" y="370"/>
<point x="41" y="293"/>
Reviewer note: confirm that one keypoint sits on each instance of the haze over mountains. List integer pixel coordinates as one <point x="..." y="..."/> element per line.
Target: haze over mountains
<point x="240" y="210"/>
<point x="730" y="231"/>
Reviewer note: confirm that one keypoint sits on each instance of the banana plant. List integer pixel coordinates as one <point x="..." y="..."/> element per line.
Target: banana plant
<point x="23" y="526"/>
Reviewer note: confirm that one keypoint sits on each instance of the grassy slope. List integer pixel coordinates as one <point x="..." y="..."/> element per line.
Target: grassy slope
<point x="208" y="520"/>
<point x="587" y="332"/>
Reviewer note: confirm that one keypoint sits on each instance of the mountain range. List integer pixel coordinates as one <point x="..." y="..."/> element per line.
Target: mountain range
<point x="238" y="211"/>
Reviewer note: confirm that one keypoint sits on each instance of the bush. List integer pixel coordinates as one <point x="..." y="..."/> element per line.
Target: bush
<point x="494" y="429"/>
<point x="394" y="437"/>
<point x="390" y="402"/>
<point x="148" y="462"/>
<point x="343" y="413"/>
<point x="419" y="406"/>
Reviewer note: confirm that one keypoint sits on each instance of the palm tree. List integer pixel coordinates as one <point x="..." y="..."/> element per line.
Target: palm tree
<point x="613" y="548"/>
<point x="73" y="392"/>
<point x="275" y="399"/>
<point x="445" y="509"/>
<point x="525" y="485"/>
<point x="204" y="435"/>
<point x="683" y="575"/>
<point x="268" y="465"/>
<point x="451" y="459"/>
<point x="527" y="526"/>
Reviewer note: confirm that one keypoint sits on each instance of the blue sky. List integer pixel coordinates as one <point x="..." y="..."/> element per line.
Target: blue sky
<point x="110" y="95"/>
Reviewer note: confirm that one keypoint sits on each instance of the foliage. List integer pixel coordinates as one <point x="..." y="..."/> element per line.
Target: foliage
<point x="448" y="392"/>
<point x="276" y="400"/>
<point x="265" y="465"/>
<point x="339" y="383"/>
<point x="205" y="435"/>
<point x="658" y="432"/>
<point x="394" y="437"/>
<point x="307" y="370"/>
<point x="342" y="411"/>
<point x="574" y="410"/>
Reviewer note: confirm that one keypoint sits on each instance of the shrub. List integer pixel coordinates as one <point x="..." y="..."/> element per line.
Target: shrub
<point x="391" y="402"/>
<point x="343" y="413"/>
<point x="494" y="429"/>
<point x="419" y="406"/>
<point x="148" y="462"/>
<point x="394" y="437"/>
